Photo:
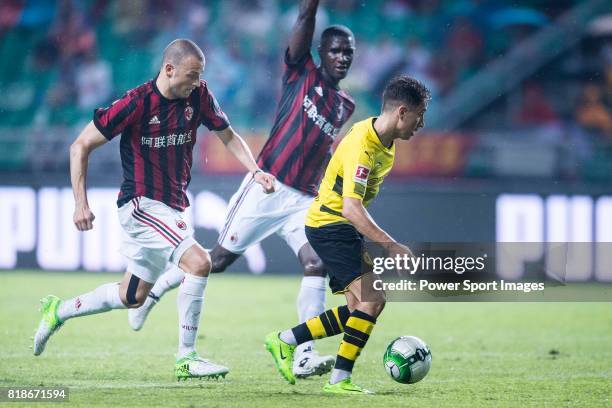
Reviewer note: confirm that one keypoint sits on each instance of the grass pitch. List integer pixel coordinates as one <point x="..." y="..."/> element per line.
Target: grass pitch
<point x="484" y="354"/>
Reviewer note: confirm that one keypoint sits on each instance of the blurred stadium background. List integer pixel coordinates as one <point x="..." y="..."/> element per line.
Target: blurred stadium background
<point x="517" y="145"/>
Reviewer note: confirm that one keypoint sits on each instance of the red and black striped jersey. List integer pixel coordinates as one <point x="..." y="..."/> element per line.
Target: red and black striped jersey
<point x="309" y="116"/>
<point x="157" y="139"/>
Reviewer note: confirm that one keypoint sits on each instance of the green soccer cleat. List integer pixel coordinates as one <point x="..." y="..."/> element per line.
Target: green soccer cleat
<point x="49" y="323"/>
<point x="346" y="387"/>
<point x="282" y="353"/>
<point x="193" y="366"/>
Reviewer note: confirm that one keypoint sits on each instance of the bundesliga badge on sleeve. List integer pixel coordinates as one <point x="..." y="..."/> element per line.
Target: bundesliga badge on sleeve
<point x="361" y="174"/>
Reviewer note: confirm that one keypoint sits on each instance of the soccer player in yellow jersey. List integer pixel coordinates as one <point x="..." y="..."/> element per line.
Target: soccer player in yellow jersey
<point x="337" y="223"/>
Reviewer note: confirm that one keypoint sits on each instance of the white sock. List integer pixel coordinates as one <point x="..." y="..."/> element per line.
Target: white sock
<point x="189" y="302"/>
<point x="170" y="279"/>
<point x="288" y="337"/>
<point x="100" y="300"/>
<point x="338" y="375"/>
<point x="310" y="303"/>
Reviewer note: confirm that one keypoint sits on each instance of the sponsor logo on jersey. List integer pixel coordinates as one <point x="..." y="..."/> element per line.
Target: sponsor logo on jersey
<point x="154" y="121"/>
<point x="167" y="140"/>
<point x="323" y="123"/>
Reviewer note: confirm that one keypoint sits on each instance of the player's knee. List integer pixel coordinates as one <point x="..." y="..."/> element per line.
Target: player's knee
<point x="198" y="265"/>
<point x="133" y="291"/>
<point x="133" y="299"/>
<point x="314" y="267"/>
<point x="135" y="305"/>
<point x="202" y="265"/>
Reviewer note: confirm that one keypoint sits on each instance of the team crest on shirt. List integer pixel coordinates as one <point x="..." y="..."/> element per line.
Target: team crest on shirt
<point x="181" y="224"/>
<point x="361" y="174"/>
<point x="188" y="112"/>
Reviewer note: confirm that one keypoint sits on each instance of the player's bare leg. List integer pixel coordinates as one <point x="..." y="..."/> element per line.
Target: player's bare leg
<point x="310" y="303"/>
<point x="196" y="263"/>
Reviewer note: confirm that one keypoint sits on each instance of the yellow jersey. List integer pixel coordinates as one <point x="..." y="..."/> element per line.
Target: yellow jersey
<point x="356" y="169"/>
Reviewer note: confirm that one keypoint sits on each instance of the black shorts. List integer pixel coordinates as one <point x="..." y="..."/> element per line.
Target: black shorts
<point x="341" y="248"/>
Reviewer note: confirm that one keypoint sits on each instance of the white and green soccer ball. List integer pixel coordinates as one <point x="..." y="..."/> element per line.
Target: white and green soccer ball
<point x="407" y="359"/>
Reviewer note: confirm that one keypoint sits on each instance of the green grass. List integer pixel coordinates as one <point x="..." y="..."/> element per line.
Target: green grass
<point x="484" y="354"/>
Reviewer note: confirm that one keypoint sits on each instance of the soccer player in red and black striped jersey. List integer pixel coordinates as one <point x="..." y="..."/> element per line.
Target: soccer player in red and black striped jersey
<point x="157" y="122"/>
<point x="309" y="116"/>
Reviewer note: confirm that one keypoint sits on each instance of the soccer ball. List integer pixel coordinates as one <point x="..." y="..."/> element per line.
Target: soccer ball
<point x="407" y="359"/>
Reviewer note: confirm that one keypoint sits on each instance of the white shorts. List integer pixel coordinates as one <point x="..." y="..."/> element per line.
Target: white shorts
<point x="154" y="234"/>
<point x="253" y="215"/>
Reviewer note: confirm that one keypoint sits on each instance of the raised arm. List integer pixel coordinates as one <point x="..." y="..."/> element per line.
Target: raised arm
<point x="238" y="147"/>
<point x="300" y="40"/>
<point x="89" y="139"/>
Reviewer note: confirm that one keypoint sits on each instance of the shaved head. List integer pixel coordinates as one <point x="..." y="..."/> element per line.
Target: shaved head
<point x="182" y="66"/>
<point x="180" y="49"/>
<point x="337" y="30"/>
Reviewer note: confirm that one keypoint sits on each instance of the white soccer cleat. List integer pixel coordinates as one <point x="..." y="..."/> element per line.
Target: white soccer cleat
<point x="137" y="317"/>
<point x="311" y="363"/>
<point x="193" y="366"/>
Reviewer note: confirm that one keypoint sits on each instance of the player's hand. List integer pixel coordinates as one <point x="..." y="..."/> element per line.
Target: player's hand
<point x="396" y="249"/>
<point x="266" y="180"/>
<point x="83" y="218"/>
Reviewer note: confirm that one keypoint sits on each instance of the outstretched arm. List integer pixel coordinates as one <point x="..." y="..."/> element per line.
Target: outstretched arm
<point x="89" y="139"/>
<point x="241" y="150"/>
<point x="300" y="40"/>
